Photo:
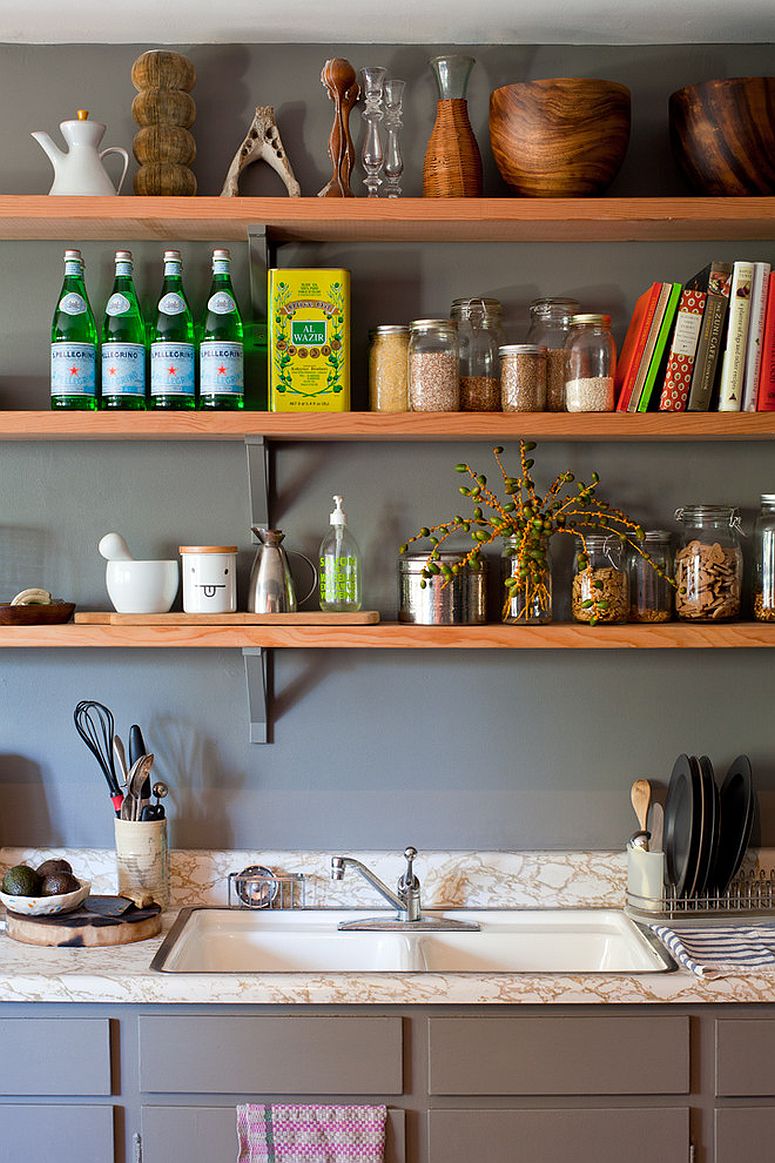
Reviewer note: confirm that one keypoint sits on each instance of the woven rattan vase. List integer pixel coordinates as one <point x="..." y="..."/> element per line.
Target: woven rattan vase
<point x="453" y="164"/>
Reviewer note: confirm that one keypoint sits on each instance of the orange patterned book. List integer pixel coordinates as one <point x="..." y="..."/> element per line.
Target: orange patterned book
<point x="683" y="348"/>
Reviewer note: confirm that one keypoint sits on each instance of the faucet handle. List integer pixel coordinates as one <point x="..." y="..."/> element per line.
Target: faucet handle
<point x="409" y="880"/>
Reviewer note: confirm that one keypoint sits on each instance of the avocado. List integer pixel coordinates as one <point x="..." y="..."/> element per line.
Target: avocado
<point x="49" y="866"/>
<point x="58" y="883"/>
<point x="21" y="881"/>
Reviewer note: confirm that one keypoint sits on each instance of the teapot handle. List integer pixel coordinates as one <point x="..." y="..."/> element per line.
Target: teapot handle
<point x="313" y="567"/>
<point x="125" y="156"/>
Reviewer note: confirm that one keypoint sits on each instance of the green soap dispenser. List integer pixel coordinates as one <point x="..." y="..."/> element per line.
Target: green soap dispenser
<point x="340" y="566"/>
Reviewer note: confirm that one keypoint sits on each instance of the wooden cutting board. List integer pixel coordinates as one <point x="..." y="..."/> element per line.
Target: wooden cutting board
<point x="83" y="929"/>
<point x="305" y="618"/>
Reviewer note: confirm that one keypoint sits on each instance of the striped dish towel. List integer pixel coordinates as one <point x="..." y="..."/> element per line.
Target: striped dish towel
<point x="292" y="1133"/>
<point x="720" y="951"/>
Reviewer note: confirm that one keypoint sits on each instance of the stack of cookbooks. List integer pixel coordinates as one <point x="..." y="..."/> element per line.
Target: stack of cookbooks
<point x="707" y="345"/>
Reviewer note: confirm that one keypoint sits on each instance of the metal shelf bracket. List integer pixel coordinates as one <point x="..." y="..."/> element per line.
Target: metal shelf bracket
<point x="258" y="481"/>
<point x="257" y="681"/>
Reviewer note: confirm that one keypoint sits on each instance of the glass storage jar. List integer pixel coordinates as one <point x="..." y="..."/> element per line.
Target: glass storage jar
<point x="590" y="364"/>
<point x="601" y="590"/>
<point x="388" y="390"/>
<point x="651" y="594"/>
<point x="764" y="559"/>
<point x="550" y="321"/>
<point x="709" y="564"/>
<point x="434" y="379"/>
<point x="479" y="335"/>
<point x="527" y="600"/>
<point x="523" y="377"/>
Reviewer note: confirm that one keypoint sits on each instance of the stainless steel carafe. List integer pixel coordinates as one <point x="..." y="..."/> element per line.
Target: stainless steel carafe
<point x="271" y="589"/>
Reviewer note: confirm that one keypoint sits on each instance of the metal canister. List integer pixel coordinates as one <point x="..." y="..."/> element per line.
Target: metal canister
<point x="461" y="602"/>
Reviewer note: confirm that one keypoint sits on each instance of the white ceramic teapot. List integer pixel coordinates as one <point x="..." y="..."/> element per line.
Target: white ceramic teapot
<point x="80" y="169"/>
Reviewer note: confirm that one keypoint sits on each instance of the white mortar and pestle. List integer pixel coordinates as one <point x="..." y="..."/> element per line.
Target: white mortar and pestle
<point x="137" y="587"/>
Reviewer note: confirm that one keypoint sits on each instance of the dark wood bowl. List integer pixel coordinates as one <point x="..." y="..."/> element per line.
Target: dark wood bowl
<point x="51" y="615"/>
<point x="723" y="135"/>
<point x="565" y="137"/>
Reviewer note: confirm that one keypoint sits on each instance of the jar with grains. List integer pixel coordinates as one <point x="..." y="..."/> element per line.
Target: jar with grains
<point x="479" y="334"/>
<point x="651" y="594"/>
<point x="601" y="589"/>
<point x="388" y="391"/>
<point x="764" y="558"/>
<point x="549" y="326"/>
<point x="709" y="564"/>
<point x="523" y="377"/>
<point x="590" y="364"/>
<point x="434" y="378"/>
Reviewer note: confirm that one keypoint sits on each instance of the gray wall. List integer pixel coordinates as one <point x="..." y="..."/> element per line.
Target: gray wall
<point x="483" y="749"/>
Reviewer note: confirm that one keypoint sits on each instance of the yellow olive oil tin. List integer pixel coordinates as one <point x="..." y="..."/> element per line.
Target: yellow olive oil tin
<point x="309" y="340"/>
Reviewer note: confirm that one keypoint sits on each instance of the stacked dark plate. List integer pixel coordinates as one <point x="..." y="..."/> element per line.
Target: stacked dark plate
<point x="707" y="828"/>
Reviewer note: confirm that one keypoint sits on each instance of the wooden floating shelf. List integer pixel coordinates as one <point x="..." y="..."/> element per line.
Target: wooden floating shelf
<point x="393" y="636"/>
<point x="505" y="219"/>
<point x="405" y="426"/>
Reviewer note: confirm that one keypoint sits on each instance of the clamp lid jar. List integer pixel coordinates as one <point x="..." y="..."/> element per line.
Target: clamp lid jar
<point x="709" y="563"/>
<point x="600" y="591"/>
<point x="550" y="321"/>
<point x="479" y="335"/>
<point x="651" y="592"/>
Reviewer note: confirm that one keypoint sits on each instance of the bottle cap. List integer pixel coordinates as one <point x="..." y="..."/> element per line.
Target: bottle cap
<point x="222" y="255"/>
<point x="73" y="256"/>
<point x="338" y="517"/>
<point x="82" y="114"/>
<point x="123" y="256"/>
<point x="172" y="256"/>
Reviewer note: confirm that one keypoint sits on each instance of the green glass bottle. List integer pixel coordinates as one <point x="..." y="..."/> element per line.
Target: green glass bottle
<point x="123" y="342"/>
<point x="221" y="349"/>
<point x="73" y="342"/>
<point x="173" y="345"/>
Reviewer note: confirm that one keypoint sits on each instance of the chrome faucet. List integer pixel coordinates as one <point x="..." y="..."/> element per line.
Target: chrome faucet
<point x="405" y="900"/>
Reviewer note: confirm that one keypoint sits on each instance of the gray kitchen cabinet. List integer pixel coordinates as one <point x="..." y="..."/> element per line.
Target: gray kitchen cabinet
<point x="745" y="1057"/>
<point x="67" y="1134"/>
<point x="745" y="1133"/>
<point x="65" y="1057"/>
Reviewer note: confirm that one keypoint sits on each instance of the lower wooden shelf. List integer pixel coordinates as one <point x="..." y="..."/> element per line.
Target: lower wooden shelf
<point x="391" y="635"/>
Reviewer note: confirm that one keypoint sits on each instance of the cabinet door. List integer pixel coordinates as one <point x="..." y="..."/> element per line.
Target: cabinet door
<point x="559" y="1136"/>
<point x="744" y="1133"/>
<point x="270" y="1055"/>
<point x="67" y="1056"/>
<point x="67" y="1134"/>
<point x="204" y="1134"/>
<point x="745" y="1057"/>
<point x="559" y="1055"/>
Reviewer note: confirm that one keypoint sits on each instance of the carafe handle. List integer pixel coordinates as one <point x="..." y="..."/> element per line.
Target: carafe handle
<point x="125" y="156"/>
<point x="313" y="567"/>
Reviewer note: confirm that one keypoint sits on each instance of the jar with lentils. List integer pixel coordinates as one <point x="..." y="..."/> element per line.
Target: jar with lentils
<point x="651" y="593"/>
<point x="590" y="364"/>
<point x="601" y="589"/>
<point x="388" y="390"/>
<point x="479" y="335"/>
<point x="550" y="321"/>
<point x="434" y="378"/>
<point x="523" y="377"/>
<point x="709" y="564"/>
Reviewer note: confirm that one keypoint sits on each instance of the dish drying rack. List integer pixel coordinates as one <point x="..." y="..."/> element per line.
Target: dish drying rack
<point x="257" y="887"/>
<point x="749" y="894"/>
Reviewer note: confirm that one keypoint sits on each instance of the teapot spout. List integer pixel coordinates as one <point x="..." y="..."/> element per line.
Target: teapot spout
<point x="54" y="154"/>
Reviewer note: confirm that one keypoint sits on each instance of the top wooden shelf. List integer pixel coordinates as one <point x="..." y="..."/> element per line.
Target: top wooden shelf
<point x="72" y="219"/>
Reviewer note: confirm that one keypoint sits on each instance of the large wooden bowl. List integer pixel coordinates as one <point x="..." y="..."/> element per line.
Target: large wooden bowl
<point x="560" y="138"/>
<point x="723" y="135"/>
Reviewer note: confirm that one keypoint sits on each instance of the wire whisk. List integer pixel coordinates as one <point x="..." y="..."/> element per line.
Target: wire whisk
<point x="95" y="724"/>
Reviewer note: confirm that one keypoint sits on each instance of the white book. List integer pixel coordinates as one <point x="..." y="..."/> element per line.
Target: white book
<point x="733" y="366"/>
<point x="753" y="354"/>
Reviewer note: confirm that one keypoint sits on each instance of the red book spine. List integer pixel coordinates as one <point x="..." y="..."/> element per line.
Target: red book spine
<point x="683" y="351"/>
<point x="765" y="398"/>
<point x="635" y="344"/>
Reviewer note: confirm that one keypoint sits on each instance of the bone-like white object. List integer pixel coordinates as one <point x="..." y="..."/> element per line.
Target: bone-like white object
<point x="113" y="547"/>
<point x="262" y="143"/>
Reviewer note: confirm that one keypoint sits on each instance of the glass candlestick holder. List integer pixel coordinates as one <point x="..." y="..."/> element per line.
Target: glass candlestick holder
<point x="394" y="160"/>
<point x="372" y="151"/>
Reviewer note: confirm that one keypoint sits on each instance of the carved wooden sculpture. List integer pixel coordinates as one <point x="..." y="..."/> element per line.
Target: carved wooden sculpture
<point x="262" y="143"/>
<point x="339" y="78"/>
<point x="165" y="110"/>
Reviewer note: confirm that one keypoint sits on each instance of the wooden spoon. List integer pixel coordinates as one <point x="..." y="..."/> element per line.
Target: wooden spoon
<point x="640" y="797"/>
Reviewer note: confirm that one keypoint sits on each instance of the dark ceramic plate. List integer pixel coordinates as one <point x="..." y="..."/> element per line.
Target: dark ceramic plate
<point x="51" y="615"/>
<point x="737" y="803"/>
<point x="682" y="824"/>
<point x="710" y="831"/>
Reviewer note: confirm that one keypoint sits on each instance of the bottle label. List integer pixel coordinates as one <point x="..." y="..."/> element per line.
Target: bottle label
<point x="72" y="304"/>
<point x="117" y="304"/>
<point x="172" y="304"/>
<point x="221" y="303"/>
<point x="338" y="579"/>
<point x="221" y="368"/>
<point x="73" y="369"/>
<point x="123" y="369"/>
<point x="73" y="266"/>
<point x="172" y="369"/>
<point x="124" y="268"/>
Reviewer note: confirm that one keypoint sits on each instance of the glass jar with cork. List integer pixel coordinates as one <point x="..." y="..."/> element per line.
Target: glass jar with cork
<point x="479" y="335"/>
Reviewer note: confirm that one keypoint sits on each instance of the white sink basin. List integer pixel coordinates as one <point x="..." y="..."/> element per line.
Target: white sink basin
<point x="574" y="941"/>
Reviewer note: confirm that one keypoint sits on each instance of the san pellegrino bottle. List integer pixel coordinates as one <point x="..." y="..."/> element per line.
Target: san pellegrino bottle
<point x="123" y="342"/>
<point x="221" y="348"/>
<point x="73" y="342"/>
<point x="340" y="566"/>
<point x="173" y="346"/>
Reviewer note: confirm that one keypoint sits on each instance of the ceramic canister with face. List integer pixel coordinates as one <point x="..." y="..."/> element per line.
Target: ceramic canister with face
<point x="209" y="579"/>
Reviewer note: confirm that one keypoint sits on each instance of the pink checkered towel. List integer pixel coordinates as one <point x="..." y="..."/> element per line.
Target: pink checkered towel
<point x="292" y="1133"/>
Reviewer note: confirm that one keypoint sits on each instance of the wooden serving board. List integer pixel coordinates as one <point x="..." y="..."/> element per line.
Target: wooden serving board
<point x="83" y="929"/>
<point x="305" y="618"/>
